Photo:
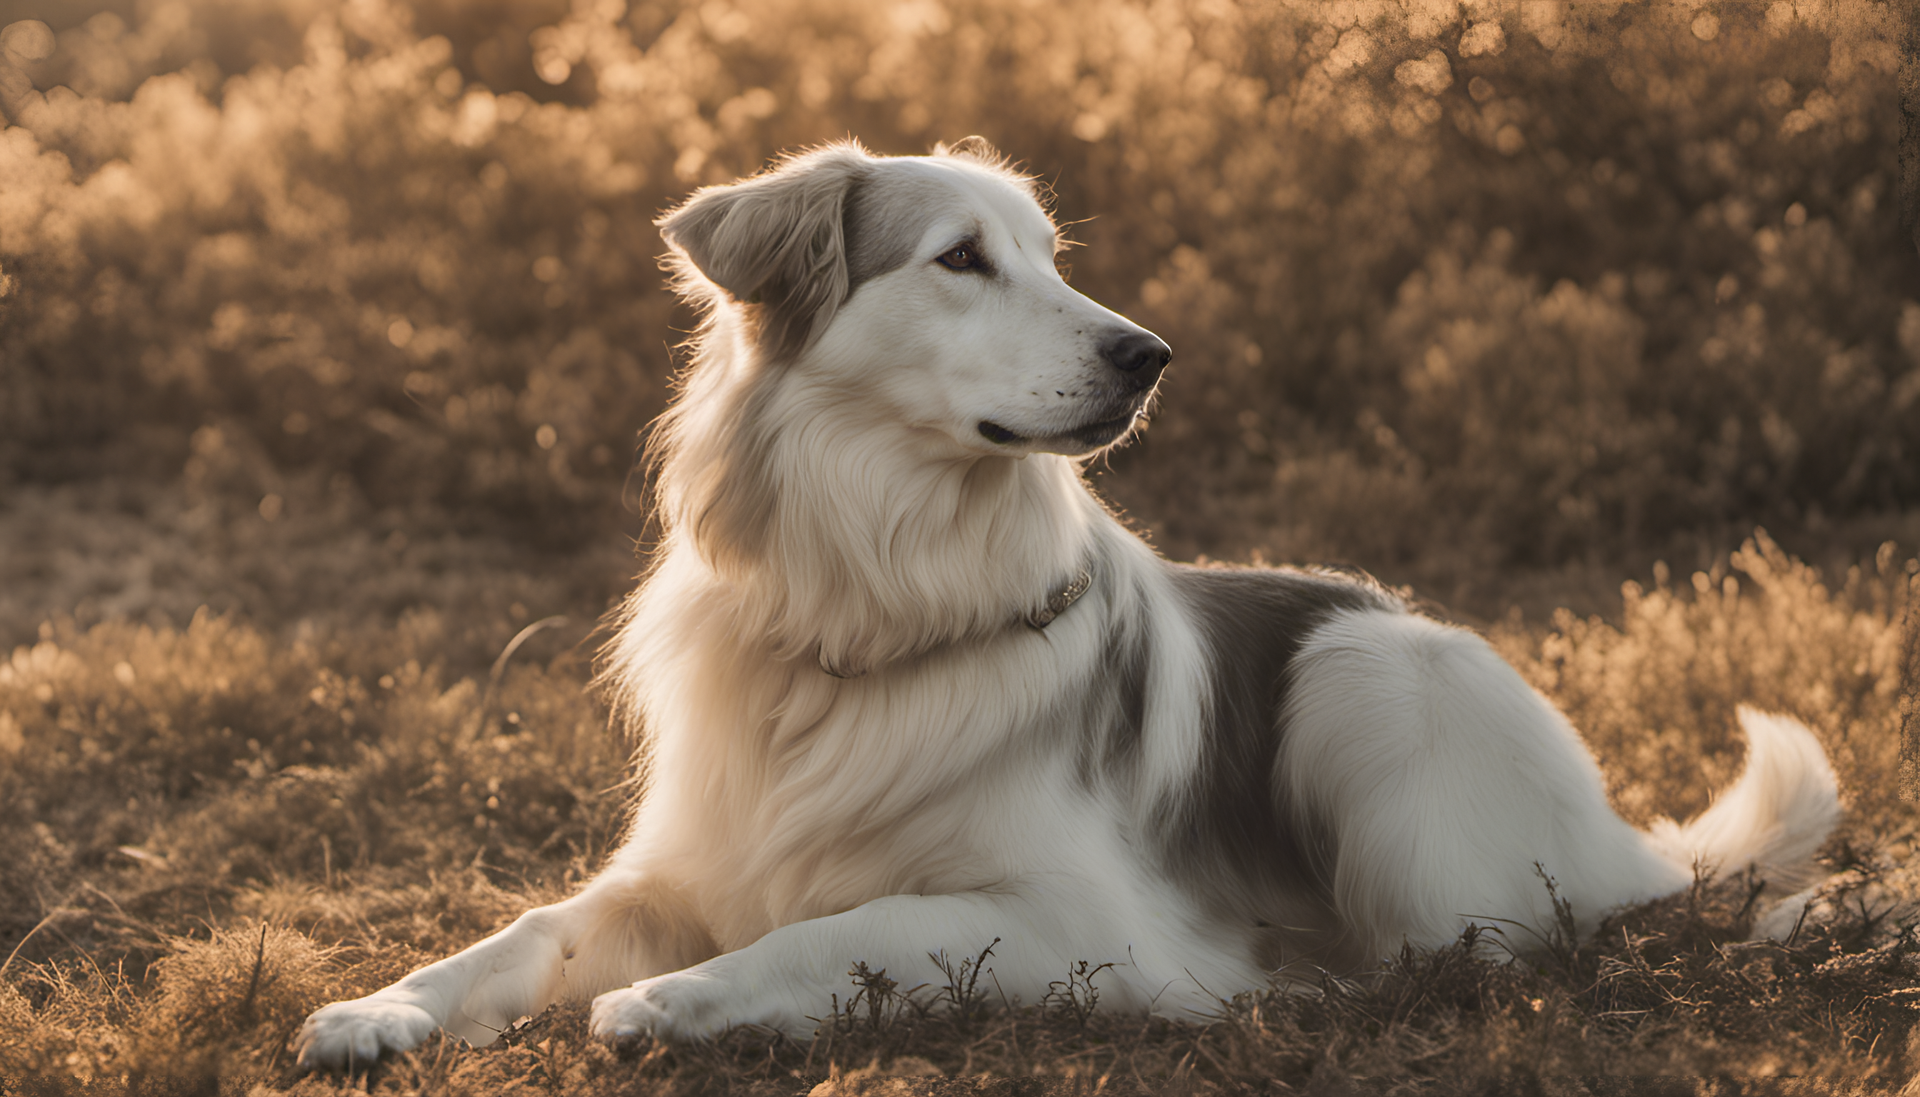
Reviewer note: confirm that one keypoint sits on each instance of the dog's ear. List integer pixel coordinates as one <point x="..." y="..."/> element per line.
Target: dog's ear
<point x="972" y="147"/>
<point x="777" y="240"/>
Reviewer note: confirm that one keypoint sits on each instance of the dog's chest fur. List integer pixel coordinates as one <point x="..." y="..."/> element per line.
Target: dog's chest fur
<point x="789" y="794"/>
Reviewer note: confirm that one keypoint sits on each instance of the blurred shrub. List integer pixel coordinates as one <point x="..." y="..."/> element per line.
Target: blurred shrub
<point x="1546" y="282"/>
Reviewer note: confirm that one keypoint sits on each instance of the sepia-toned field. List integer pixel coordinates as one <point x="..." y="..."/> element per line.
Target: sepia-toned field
<point x="328" y="329"/>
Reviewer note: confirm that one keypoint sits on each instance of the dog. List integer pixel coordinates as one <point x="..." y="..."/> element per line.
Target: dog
<point x="905" y="686"/>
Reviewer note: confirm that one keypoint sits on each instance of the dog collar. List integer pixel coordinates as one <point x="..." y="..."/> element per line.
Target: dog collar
<point x="1061" y="599"/>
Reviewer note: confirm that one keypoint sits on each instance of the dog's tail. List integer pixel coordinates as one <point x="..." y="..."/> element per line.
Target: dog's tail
<point x="1776" y="816"/>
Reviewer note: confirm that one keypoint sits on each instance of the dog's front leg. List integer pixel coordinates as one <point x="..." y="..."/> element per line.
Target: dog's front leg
<point x="607" y="935"/>
<point x="787" y="979"/>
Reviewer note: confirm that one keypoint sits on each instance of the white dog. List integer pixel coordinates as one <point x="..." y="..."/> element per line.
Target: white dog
<point x="907" y="687"/>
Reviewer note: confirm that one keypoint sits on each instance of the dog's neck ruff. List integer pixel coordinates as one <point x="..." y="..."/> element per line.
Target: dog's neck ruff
<point x="1061" y="599"/>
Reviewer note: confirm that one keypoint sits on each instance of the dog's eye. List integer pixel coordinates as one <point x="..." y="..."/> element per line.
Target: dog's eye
<point x="960" y="257"/>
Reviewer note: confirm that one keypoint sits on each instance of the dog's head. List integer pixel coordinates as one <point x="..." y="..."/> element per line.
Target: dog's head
<point x="928" y="283"/>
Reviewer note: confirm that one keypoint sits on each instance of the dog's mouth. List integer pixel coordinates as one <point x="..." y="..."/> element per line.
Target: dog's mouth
<point x="1089" y="436"/>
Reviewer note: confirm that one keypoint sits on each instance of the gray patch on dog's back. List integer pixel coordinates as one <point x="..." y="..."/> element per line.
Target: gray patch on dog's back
<point x="1114" y="726"/>
<point x="1233" y="838"/>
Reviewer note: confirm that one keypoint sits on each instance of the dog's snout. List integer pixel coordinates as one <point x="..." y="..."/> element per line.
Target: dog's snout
<point x="1140" y="355"/>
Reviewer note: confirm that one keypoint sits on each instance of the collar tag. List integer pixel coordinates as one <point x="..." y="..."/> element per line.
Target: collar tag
<point x="1061" y="599"/>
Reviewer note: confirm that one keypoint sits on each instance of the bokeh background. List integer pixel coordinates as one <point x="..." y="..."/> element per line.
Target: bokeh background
<point x="328" y="329"/>
<point x="1508" y="303"/>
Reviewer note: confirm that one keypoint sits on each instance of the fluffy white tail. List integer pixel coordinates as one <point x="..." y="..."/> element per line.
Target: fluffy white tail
<point x="1775" y="816"/>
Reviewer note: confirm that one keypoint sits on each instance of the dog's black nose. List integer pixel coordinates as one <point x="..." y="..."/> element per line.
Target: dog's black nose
<point x="1140" y="355"/>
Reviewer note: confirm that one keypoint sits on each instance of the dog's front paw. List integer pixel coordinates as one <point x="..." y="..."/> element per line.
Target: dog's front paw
<point x="680" y="1007"/>
<point x="351" y="1035"/>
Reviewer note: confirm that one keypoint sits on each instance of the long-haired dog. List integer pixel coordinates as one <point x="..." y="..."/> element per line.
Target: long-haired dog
<point x="906" y="687"/>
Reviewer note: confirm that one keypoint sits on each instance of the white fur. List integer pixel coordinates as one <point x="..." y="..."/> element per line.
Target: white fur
<point x="854" y="749"/>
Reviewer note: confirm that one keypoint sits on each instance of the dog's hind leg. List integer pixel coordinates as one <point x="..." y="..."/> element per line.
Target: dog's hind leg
<point x="1448" y="786"/>
<point x="614" y="931"/>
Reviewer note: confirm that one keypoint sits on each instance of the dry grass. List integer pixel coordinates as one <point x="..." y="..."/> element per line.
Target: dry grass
<point x="1654" y="689"/>
<point x="212" y="831"/>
